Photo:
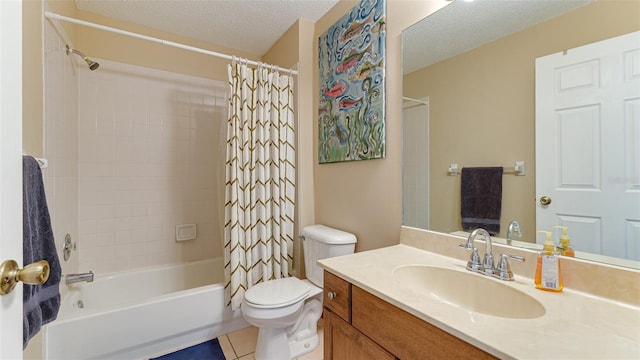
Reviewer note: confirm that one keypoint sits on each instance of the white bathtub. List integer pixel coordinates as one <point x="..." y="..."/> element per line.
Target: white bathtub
<point x="143" y="313"/>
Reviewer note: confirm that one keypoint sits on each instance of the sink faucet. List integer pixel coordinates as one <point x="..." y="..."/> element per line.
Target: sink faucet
<point x="487" y="267"/>
<point x="513" y="231"/>
<point x="76" y="278"/>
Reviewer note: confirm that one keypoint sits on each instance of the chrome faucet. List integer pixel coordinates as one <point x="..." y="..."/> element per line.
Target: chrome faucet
<point x="76" y="278"/>
<point x="487" y="266"/>
<point x="513" y="231"/>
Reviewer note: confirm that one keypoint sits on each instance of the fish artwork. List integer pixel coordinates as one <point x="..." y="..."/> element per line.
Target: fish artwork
<point x="355" y="28"/>
<point x="348" y="103"/>
<point x="353" y="59"/>
<point x="336" y="90"/>
<point x="364" y="71"/>
<point x="351" y="118"/>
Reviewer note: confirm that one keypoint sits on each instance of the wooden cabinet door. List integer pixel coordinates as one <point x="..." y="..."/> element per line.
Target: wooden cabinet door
<point x="343" y="342"/>
<point x="405" y="335"/>
<point x="340" y="300"/>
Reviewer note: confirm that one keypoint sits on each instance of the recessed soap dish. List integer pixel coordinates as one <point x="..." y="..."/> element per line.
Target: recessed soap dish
<point x="186" y="232"/>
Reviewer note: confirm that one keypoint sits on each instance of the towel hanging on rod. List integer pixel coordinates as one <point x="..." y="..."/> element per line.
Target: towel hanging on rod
<point x="41" y="161"/>
<point x="41" y="303"/>
<point x="481" y="198"/>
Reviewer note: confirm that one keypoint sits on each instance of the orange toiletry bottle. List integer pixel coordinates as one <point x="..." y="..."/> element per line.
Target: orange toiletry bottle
<point x="565" y="247"/>
<point x="548" y="275"/>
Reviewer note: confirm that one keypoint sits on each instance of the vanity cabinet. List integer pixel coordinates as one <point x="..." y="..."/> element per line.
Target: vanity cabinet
<point x="343" y="341"/>
<point x="359" y="325"/>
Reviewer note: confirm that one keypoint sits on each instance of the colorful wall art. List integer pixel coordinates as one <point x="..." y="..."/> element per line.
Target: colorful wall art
<point x="351" y="113"/>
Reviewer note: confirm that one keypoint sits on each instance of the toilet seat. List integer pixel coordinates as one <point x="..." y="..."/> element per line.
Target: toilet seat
<point x="277" y="293"/>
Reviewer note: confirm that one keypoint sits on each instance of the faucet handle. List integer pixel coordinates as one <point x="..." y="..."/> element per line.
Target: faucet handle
<point x="489" y="264"/>
<point x="503" y="269"/>
<point x="475" y="264"/>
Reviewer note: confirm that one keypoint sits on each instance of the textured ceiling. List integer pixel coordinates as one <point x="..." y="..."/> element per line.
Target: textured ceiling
<point x="462" y="26"/>
<point x="248" y="25"/>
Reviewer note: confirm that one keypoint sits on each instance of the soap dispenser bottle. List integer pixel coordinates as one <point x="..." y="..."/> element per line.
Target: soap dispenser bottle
<point x="565" y="247"/>
<point x="548" y="275"/>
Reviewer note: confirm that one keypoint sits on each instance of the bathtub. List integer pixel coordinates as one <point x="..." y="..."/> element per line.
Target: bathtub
<point x="142" y="313"/>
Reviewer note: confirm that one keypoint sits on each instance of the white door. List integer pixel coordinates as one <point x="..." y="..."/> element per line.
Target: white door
<point x="11" y="170"/>
<point x="588" y="145"/>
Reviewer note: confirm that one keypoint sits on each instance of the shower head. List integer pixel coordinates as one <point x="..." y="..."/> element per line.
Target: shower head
<point x="92" y="64"/>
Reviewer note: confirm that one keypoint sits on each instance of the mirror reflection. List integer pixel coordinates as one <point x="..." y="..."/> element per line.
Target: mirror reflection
<point x="473" y="103"/>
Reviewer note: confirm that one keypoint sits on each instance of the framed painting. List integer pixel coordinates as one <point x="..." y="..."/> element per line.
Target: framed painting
<point x="351" y="111"/>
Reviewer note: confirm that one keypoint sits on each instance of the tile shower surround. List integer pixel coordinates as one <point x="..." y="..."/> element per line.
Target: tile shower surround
<point x="60" y="141"/>
<point x="150" y="157"/>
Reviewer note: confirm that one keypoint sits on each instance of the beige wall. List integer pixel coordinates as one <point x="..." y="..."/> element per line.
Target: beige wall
<point x="286" y="51"/>
<point x="306" y="126"/>
<point x="482" y="107"/>
<point x="365" y="197"/>
<point x="32" y="84"/>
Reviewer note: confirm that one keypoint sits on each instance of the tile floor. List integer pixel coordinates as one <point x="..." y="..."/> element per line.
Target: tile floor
<point x="240" y="345"/>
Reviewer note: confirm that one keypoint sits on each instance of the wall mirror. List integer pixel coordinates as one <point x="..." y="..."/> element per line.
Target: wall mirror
<point x="470" y="99"/>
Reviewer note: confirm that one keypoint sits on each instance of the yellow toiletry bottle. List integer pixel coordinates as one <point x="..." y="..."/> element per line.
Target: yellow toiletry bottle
<point x="548" y="275"/>
<point x="565" y="247"/>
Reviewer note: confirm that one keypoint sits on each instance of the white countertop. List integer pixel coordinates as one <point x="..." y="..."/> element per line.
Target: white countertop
<point x="575" y="325"/>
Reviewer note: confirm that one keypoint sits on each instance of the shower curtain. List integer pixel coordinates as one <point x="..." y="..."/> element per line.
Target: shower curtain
<point x="260" y="178"/>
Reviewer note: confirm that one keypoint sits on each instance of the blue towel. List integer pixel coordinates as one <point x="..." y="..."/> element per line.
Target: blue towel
<point x="481" y="195"/>
<point x="41" y="302"/>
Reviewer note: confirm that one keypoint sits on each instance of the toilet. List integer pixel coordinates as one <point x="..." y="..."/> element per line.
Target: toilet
<point x="286" y="311"/>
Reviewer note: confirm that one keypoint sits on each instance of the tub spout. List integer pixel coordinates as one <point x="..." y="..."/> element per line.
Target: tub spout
<point x="75" y="278"/>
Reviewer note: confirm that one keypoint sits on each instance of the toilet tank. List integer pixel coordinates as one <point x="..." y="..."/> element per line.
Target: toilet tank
<point x="321" y="242"/>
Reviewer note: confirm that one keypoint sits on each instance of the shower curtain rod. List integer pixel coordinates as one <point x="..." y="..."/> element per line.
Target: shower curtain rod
<point x="51" y="15"/>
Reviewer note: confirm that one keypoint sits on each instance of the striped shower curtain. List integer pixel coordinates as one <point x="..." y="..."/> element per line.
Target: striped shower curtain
<point x="260" y="178"/>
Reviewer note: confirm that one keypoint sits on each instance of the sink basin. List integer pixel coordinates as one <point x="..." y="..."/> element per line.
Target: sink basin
<point x="469" y="291"/>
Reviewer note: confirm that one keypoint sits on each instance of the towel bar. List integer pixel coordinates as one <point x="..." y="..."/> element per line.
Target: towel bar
<point x="518" y="169"/>
<point x="42" y="162"/>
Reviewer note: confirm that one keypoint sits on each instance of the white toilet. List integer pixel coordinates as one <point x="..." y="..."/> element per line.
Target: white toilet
<point x="286" y="311"/>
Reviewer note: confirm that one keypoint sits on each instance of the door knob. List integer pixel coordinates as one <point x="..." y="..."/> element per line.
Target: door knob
<point x="545" y="200"/>
<point x="33" y="274"/>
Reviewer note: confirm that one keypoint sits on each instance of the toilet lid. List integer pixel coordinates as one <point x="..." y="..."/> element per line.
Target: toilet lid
<point x="279" y="292"/>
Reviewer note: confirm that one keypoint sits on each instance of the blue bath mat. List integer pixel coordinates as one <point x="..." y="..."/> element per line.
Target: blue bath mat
<point x="209" y="350"/>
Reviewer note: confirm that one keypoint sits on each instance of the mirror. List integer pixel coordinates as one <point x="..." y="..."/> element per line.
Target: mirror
<point x="471" y="68"/>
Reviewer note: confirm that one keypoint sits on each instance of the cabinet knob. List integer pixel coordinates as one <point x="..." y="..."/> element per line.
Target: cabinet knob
<point x="332" y="295"/>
